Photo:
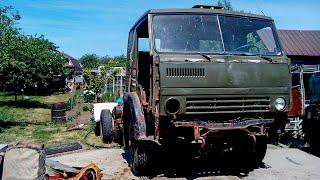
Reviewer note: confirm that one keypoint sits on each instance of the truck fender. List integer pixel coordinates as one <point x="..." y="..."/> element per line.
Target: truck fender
<point x="134" y="117"/>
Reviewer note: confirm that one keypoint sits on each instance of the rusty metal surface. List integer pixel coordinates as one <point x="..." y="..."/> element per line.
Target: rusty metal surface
<point x="156" y="95"/>
<point x="117" y="111"/>
<point x="216" y="126"/>
<point x="207" y="134"/>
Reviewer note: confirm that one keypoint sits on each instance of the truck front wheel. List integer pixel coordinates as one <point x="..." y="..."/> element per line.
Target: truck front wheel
<point x="259" y="150"/>
<point x="253" y="151"/>
<point x="140" y="160"/>
<point x="276" y="129"/>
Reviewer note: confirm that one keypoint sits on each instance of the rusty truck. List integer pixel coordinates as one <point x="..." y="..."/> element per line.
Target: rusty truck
<point x="201" y="82"/>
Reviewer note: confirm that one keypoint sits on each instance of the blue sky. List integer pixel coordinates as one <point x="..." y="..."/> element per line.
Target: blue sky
<point x="101" y="26"/>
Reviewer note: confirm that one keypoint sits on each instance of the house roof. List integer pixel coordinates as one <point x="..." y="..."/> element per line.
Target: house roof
<point x="300" y="42"/>
<point x="72" y="62"/>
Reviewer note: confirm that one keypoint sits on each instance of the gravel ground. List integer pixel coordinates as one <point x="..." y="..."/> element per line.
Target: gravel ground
<point x="279" y="163"/>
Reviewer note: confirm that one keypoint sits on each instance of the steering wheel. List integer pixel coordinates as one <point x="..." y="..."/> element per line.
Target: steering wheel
<point x="248" y="46"/>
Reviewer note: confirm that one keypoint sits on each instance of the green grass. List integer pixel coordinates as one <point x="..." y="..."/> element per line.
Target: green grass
<point x="46" y="100"/>
<point x="49" y="134"/>
<point x="13" y="134"/>
<point x="29" y="121"/>
<point x="44" y="134"/>
<point x="19" y="114"/>
<point x="35" y="109"/>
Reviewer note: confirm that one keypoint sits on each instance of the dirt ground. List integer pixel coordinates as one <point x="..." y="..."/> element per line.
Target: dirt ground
<point x="279" y="163"/>
<point x="111" y="161"/>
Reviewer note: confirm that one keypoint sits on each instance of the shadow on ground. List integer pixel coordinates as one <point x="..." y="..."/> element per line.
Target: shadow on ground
<point x="25" y="104"/>
<point x="9" y="124"/>
<point x="192" y="169"/>
<point x="298" y="143"/>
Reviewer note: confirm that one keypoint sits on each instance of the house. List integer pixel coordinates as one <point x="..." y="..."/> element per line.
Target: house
<point x="301" y="46"/>
<point x="73" y="64"/>
<point x="76" y="80"/>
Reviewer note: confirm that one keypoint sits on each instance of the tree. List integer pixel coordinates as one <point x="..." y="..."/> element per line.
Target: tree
<point x="26" y="61"/>
<point x="8" y="40"/>
<point x="116" y="61"/>
<point x="226" y="4"/>
<point x="95" y="82"/>
<point x="90" y="61"/>
<point x="44" y="62"/>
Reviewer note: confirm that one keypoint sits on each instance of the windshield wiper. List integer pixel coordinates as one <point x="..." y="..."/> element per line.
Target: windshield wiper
<point x="251" y="54"/>
<point x="243" y="54"/>
<point x="207" y="57"/>
<point x="265" y="57"/>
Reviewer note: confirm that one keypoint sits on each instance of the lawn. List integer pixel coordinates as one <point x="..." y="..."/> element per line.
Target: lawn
<point x="33" y="110"/>
<point x="29" y="121"/>
<point x="49" y="134"/>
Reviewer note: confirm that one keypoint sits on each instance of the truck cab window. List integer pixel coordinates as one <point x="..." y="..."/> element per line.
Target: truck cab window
<point x="144" y="59"/>
<point x="143" y="45"/>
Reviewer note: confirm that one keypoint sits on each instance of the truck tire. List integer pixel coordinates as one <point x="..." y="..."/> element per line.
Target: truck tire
<point x="140" y="161"/>
<point x="311" y="125"/>
<point x="276" y="129"/>
<point x="97" y="129"/>
<point x="255" y="152"/>
<point x="126" y="119"/>
<point x="260" y="150"/>
<point x="106" y="126"/>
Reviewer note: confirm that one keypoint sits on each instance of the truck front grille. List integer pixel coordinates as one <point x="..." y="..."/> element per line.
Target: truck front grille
<point x="227" y="105"/>
<point x="185" y="72"/>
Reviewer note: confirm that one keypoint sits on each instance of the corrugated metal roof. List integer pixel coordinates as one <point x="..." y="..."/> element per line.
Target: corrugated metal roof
<point x="300" y="42"/>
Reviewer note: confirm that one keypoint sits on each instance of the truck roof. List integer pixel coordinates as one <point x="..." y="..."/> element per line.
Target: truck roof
<point x="201" y="10"/>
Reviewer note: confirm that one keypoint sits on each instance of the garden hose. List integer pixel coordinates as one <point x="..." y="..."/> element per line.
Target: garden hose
<point x="85" y="141"/>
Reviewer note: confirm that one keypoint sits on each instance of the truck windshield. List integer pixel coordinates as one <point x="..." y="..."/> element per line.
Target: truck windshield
<point x="213" y="34"/>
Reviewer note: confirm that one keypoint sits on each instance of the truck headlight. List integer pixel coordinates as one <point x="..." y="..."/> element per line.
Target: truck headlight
<point x="172" y="106"/>
<point x="280" y="104"/>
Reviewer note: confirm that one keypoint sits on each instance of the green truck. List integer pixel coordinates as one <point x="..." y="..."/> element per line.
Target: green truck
<point x="201" y="83"/>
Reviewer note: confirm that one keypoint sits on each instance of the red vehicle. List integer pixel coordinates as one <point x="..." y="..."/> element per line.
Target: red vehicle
<point x="304" y="114"/>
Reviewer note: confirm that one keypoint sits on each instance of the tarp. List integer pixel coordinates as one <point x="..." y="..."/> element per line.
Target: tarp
<point x="98" y="107"/>
<point x="24" y="162"/>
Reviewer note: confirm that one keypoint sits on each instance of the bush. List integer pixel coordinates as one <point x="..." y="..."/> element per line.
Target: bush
<point x="87" y="107"/>
<point x="88" y="96"/>
<point x="71" y="103"/>
<point x="108" y="97"/>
